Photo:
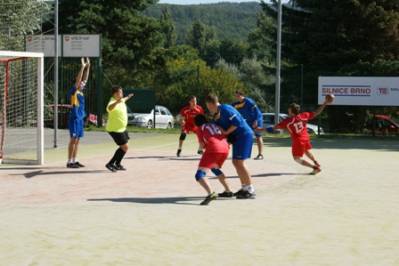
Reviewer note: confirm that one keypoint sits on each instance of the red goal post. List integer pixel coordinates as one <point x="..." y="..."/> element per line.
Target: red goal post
<point x="21" y="107"/>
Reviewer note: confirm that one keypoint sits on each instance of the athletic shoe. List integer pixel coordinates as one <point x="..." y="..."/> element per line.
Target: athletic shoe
<point x="110" y="167"/>
<point x="119" y="167"/>
<point x="246" y="195"/>
<point x="209" y="198"/>
<point x="315" y="171"/>
<point x="259" y="157"/>
<point x="200" y="152"/>
<point x="79" y="164"/>
<point x="238" y="192"/>
<point x="72" y="165"/>
<point x="178" y="153"/>
<point x="226" y="194"/>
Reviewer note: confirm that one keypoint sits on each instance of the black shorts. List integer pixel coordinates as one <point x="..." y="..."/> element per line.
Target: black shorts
<point x="120" y="138"/>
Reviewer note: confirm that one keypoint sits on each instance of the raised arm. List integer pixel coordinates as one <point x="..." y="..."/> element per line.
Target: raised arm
<point x="80" y="74"/>
<point x="329" y="99"/>
<point x="87" y="72"/>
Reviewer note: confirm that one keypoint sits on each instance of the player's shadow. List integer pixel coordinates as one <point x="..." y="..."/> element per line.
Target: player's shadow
<point x="343" y="142"/>
<point x="267" y="175"/>
<point x="42" y="173"/>
<point x="184" y="159"/>
<point x="146" y="157"/>
<point x="158" y="200"/>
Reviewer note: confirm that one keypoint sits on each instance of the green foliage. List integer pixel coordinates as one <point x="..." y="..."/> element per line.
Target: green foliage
<point x="183" y="75"/>
<point x="168" y="29"/>
<point x="19" y="18"/>
<point x="348" y="37"/>
<point x="231" y="21"/>
<point x="130" y="41"/>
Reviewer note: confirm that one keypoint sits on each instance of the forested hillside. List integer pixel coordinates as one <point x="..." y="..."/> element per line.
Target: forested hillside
<point x="230" y="21"/>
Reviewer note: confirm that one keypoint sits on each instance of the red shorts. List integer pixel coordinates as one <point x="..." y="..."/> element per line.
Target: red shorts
<point x="188" y="129"/>
<point x="213" y="160"/>
<point x="300" y="147"/>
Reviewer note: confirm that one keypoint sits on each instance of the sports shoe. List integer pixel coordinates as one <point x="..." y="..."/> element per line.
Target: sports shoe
<point x="226" y="194"/>
<point x="209" y="198"/>
<point x="79" y="164"/>
<point x="315" y="171"/>
<point x="110" y="167"/>
<point x="178" y="153"/>
<point x="119" y="167"/>
<point x="246" y="195"/>
<point x="259" y="157"/>
<point x="72" y="165"/>
<point x="200" y="152"/>
<point x="238" y="192"/>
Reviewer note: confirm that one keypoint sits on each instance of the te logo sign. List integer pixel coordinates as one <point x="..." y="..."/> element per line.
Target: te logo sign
<point x="383" y="91"/>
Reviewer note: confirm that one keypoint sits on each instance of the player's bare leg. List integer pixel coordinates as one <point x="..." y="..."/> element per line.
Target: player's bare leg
<point x="305" y="163"/>
<point x="200" y="177"/>
<point x="259" y="142"/>
<point x="200" y="149"/>
<point x="222" y="180"/>
<point x="72" y="151"/>
<point x="75" y="154"/>
<point x="183" y="136"/>
<point x="311" y="157"/>
<point x="227" y="193"/>
<point x="245" y="178"/>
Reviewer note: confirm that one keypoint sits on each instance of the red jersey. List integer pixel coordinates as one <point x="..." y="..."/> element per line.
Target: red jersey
<point x="296" y="125"/>
<point x="213" y="139"/>
<point x="189" y="114"/>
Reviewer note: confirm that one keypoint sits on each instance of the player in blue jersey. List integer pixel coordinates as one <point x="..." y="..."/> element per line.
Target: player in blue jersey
<point x="240" y="136"/>
<point x="77" y="113"/>
<point x="253" y="116"/>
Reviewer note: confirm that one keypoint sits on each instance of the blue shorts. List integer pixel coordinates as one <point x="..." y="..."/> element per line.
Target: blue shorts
<point x="242" y="147"/>
<point x="76" y="127"/>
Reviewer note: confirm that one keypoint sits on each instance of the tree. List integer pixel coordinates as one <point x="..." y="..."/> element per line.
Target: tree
<point x="168" y="28"/>
<point x="130" y="41"/>
<point x="183" y="76"/>
<point x="200" y="36"/>
<point x="232" y="52"/>
<point x="18" y="19"/>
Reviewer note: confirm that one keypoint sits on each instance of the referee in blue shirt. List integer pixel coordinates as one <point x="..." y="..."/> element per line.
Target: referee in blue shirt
<point x="253" y="116"/>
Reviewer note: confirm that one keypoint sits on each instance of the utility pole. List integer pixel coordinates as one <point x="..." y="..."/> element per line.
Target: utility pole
<point x="278" y="63"/>
<point x="56" y="53"/>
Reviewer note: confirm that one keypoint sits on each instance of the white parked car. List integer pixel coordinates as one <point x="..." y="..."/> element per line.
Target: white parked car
<point x="163" y="118"/>
<point x="268" y="120"/>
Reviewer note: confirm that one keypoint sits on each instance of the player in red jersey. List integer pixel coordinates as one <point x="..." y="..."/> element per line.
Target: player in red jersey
<point x="188" y="113"/>
<point x="216" y="153"/>
<point x="296" y="126"/>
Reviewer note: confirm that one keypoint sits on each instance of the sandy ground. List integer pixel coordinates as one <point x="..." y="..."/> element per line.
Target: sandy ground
<point x="347" y="215"/>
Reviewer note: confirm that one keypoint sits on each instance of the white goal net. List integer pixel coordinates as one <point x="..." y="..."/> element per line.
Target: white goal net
<point x="21" y="107"/>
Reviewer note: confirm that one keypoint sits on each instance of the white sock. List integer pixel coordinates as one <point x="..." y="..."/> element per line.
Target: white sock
<point x="70" y="161"/>
<point x="249" y="188"/>
<point x="74" y="160"/>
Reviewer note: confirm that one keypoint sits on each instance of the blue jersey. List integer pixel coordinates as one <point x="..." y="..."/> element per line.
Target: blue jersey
<point x="250" y="111"/>
<point x="77" y="100"/>
<point x="229" y="116"/>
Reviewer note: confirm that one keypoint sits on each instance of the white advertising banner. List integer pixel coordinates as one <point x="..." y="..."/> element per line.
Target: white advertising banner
<point x="71" y="45"/>
<point x="364" y="91"/>
<point x="43" y="44"/>
<point x="81" y="45"/>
